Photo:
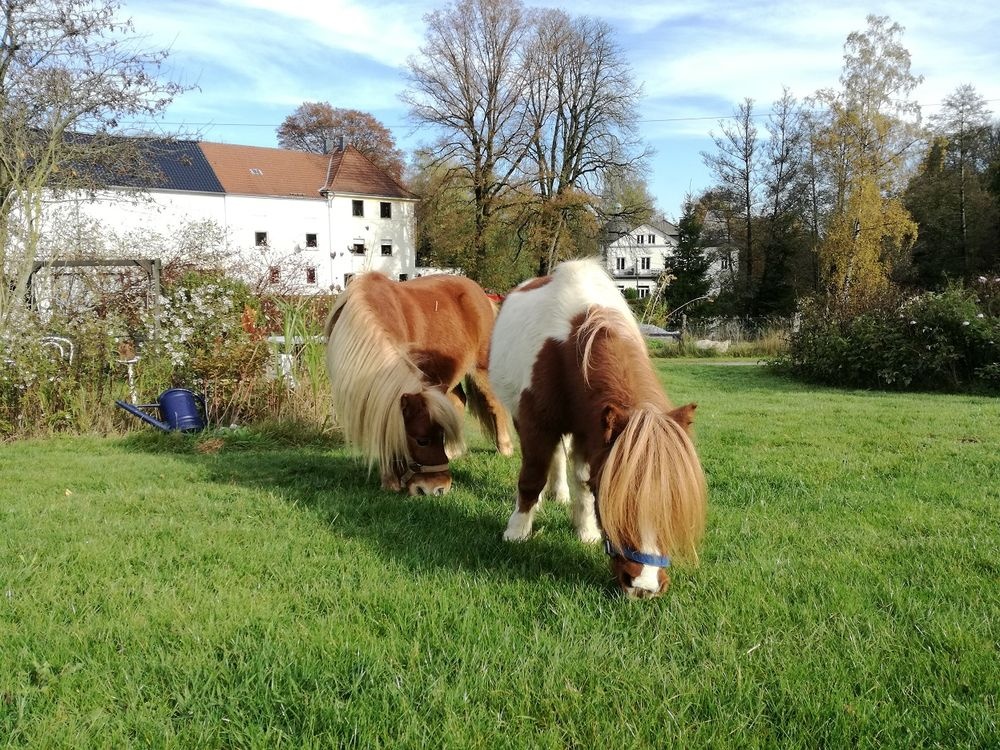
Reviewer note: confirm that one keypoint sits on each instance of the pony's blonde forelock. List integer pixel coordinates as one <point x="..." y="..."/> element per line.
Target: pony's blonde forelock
<point x="443" y="412"/>
<point x="368" y="374"/>
<point x="653" y="482"/>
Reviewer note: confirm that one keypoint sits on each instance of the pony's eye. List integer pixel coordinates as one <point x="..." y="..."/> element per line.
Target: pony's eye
<point x="423" y="442"/>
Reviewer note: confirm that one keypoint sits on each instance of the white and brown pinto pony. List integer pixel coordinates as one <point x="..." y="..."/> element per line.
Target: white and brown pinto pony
<point x="568" y="359"/>
<point x="397" y="354"/>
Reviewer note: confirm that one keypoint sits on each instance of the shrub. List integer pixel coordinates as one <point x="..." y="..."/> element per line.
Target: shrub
<point x="934" y="341"/>
<point x="210" y="335"/>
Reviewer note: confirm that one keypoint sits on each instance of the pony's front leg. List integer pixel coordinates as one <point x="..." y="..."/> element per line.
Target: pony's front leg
<point x="584" y="503"/>
<point x="536" y="456"/>
<point x="390" y="480"/>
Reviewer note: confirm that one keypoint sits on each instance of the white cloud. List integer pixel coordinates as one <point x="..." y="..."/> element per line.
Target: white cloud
<point x="256" y="60"/>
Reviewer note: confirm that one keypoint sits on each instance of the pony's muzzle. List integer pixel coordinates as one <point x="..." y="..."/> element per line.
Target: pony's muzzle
<point x="435" y="486"/>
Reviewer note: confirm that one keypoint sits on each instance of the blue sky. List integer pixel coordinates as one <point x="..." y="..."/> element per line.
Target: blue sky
<point x="255" y="61"/>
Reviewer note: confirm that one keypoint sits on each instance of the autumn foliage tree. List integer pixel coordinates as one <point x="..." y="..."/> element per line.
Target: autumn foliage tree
<point x="318" y="127"/>
<point x="870" y="127"/>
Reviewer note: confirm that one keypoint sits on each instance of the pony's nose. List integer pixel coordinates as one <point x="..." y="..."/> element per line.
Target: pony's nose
<point x="636" y="592"/>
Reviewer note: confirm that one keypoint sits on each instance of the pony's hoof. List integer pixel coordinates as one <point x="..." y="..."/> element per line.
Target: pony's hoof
<point x="506" y="448"/>
<point x="589" y="536"/>
<point x="518" y="528"/>
<point x="392" y="484"/>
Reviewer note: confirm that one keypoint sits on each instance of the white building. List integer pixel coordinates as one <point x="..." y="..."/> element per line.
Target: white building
<point x="636" y="258"/>
<point x="310" y="221"/>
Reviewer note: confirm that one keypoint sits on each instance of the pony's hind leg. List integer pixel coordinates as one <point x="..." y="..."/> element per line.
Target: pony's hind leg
<point x="556" y="485"/>
<point x="536" y="455"/>
<point x="486" y="407"/>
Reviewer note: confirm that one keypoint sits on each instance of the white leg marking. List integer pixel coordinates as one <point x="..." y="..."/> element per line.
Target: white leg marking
<point x="519" y="525"/>
<point x="584" y="514"/>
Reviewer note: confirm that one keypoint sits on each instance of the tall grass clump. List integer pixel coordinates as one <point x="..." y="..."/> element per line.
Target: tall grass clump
<point x="742" y="337"/>
<point x="945" y="341"/>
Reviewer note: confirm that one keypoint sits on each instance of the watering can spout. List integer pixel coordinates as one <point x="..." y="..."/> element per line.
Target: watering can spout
<point x="137" y="411"/>
<point x="178" y="406"/>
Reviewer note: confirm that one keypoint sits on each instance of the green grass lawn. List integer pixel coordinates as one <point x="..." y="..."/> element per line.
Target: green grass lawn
<point x="155" y="593"/>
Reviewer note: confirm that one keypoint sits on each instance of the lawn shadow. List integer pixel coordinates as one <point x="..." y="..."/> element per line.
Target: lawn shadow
<point x="459" y="531"/>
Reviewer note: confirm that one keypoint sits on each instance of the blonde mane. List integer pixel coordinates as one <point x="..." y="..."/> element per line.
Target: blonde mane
<point x="369" y="372"/>
<point x="653" y="484"/>
<point x="611" y="323"/>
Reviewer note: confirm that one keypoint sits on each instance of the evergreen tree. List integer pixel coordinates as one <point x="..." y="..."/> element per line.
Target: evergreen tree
<point x="688" y="265"/>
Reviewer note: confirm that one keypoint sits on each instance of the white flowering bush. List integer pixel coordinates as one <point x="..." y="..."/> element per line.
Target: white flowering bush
<point x="946" y="340"/>
<point x="201" y="340"/>
<point x="63" y="371"/>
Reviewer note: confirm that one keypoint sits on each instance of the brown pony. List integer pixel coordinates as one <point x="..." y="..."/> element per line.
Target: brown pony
<point x="397" y="353"/>
<point x="567" y="358"/>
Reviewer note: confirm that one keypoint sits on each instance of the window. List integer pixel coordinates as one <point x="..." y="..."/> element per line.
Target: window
<point x="639" y="238"/>
<point x="385" y="209"/>
<point x="357" y="208"/>
<point x="403" y="277"/>
<point x="274" y="274"/>
<point x="358" y="248"/>
<point x="260" y="239"/>
<point x="620" y="264"/>
<point x="644" y="263"/>
<point x="310" y="275"/>
<point x="643" y="292"/>
<point x="727" y="263"/>
<point x="386" y="248"/>
<point x="651" y="239"/>
<point x="311" y="240"/>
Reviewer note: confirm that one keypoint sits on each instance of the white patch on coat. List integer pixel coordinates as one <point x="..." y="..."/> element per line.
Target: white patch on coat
<point x="528" y="319"/>
<point x="648" y="578"/>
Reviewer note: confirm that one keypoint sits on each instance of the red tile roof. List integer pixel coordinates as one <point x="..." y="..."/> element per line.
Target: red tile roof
<point x="352" y="172"/>
<point x="253" y="170"/>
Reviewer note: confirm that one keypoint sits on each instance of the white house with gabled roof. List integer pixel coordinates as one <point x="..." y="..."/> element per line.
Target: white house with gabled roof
<point x="310" y="221"/>
<point x="636" y="257"/>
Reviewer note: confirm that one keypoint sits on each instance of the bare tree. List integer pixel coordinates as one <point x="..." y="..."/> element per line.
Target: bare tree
<point x="66" y="67"/>
<point x="318" y="127"/>
<point x="736" y="165"/>
<point x="964" y="121"/>
<point x="468" y="82"/>
<point x="581" y="108"/>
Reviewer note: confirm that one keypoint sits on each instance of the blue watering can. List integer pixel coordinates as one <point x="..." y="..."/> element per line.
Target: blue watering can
<point x="178" y="406"/>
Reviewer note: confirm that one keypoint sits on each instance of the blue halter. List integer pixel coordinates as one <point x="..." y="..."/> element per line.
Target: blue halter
<point x="657" y="561"/>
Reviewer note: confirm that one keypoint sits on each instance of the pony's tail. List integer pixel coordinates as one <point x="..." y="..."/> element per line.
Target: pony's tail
<point x="488" y="412"/>
<point x="652" y="490"/>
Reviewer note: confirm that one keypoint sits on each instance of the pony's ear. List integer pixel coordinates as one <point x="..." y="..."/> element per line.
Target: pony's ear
<point x="408" y="404"/>
<point x="684" y="416"/>
<point x="612" y="423"/>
